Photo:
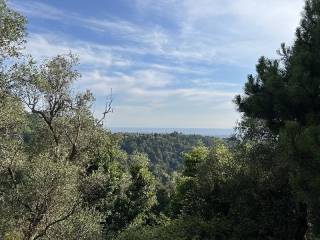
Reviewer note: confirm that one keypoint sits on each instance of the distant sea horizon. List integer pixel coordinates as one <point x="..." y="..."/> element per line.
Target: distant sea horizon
<point x="211" y="132"/>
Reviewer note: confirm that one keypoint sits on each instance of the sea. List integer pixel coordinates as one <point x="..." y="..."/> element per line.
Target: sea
<point x="213" y="132"/>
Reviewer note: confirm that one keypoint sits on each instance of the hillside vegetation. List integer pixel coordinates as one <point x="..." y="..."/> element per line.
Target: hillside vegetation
<point x="165" y="150"/>
<point x="64" y="176"/>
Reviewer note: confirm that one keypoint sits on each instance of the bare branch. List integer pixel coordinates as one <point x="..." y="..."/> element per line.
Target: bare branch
<point x="108" y="108"/>
<point x="65" y="217"/>
<point x="74" y="140"/>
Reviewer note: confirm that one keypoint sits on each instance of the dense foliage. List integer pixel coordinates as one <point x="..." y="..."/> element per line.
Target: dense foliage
<point x="63" y="176"/>
<point x="164" y="150"/>
<point x="285" y="96"/>
<point x="223" y="195"/>
<point x="268" y="184"/>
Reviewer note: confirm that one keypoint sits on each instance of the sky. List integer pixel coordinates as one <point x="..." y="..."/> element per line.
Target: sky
<point x="169" y="63"/>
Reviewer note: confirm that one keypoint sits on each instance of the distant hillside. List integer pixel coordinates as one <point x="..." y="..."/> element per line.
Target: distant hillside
<point x="213" y="132"/>
<point x="163" y="150"/>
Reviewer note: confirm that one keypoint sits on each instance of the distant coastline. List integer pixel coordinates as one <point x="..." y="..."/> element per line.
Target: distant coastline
<point x="214" y="132"/>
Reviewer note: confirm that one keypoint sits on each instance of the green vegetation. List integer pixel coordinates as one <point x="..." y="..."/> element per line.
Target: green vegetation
<point x="164" y="150"/>
<point x="63" y="176"/>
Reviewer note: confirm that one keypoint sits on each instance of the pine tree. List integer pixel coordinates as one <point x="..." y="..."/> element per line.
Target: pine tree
<point x="285" y="95"/>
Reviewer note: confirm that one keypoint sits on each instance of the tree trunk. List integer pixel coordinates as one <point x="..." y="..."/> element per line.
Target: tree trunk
<point x="302" y="222"/>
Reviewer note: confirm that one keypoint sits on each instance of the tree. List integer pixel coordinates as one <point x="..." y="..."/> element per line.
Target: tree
<point x="285" y="95"/>
<point x="41" y="194"/>
<point x="133" y="207"/>
<point x="55" y="157"/>
<point x="12" y="32"/>
<point x="242" y="192"/>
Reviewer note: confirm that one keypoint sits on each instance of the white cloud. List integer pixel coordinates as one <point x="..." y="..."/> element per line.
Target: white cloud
<point x="175" y="115"/>
<point x="42" y="46"/>
<point x="38" y="9"/>
<point x="151" y="83"/>
<point x="211" y="31"/>
<point x="228" y="31"/>
<point x="110" y="25"/>
<point x="162" y="76"/>
<point x="126" y="83"/>
<point x="273" y="19"/>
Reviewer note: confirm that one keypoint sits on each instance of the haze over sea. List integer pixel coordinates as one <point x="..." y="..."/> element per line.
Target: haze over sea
<point x="216" y="132"/>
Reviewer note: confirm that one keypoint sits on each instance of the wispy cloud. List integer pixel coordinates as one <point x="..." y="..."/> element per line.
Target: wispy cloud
<point x="166" y="74"/>
<point x="227" y="30"/>
<point x="148" y="87"/>
<point x="43" y="46"/>
<point x="113" y="25"/>
<point x="38" y="9"/>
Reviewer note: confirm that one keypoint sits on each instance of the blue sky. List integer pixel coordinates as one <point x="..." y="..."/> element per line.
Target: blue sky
<point x="170" y="63"/>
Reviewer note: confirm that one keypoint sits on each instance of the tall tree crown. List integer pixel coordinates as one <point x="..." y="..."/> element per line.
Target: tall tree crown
<point x="288" y="89"/>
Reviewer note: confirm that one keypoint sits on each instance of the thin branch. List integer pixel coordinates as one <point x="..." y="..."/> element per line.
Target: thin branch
<point x="44" y="231"/>
<point x="108" y="107"/>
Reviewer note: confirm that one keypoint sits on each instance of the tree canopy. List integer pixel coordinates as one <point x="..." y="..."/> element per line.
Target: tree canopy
<point x="64" y="176"/>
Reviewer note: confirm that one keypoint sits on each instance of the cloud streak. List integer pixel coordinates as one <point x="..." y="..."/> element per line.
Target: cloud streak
<point x="163" y="74"/>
